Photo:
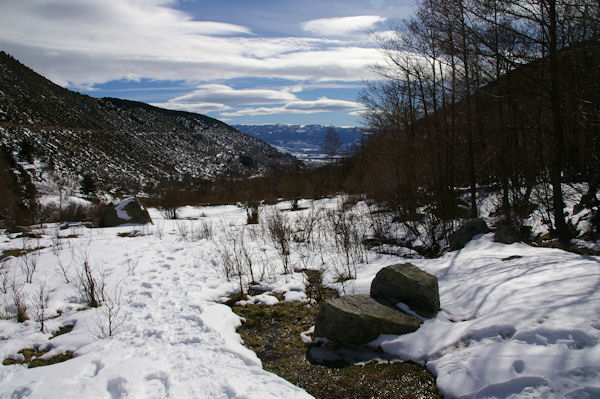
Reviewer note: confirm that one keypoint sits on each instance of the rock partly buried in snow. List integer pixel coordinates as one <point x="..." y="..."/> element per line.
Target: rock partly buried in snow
<point x="508" y="234"/>
<point x="470" y="229"/>
<point x="128" y="211"/>
<point x="358" y="319"/>
<point x="19" y="229"/>
<point x="406" y="283"/>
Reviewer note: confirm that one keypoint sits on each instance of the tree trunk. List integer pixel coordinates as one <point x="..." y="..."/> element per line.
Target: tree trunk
<point x="562" y="230"/>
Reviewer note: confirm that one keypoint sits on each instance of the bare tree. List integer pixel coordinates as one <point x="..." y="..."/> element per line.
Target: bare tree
<point x="331" y="144"/>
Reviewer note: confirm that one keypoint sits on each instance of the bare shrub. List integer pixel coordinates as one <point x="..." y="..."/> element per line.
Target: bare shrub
<point x="89" y="284"/>
<point x="237" y="259"/>
<point x="248" y="257"/>
<point x="28" y="261"/>
<point x="110" y="317"/>
<point x="40" y="304"/>
<point x="206" y="230"/>
<point x="19" y="302"/>
<point x="381" y="222"/>
<point x="279" y="232"/>
<point x="347" y="237"/>
<point x="182" y="229"/>
<point x="252" y="212"/>
<point x="5" y="313"/>
<point x="64" y="267"/>
<point x="305" y="224"/>
<point x="5" y="266"/>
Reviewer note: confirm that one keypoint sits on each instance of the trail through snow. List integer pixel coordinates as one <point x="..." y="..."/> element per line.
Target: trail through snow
<point x="174" y="340"/>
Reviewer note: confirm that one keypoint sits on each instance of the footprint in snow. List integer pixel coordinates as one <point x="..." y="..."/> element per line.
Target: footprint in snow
<point x="157" y="385"/>
<point x="518" y="366"/>
<point x="116" y="388"/>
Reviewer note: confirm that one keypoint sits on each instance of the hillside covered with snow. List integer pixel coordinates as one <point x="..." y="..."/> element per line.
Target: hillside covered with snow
<point x="121" y="144"/>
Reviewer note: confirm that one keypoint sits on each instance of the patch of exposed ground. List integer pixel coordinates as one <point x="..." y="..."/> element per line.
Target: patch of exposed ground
<point x="32" y="358"/>
<point x="273" y="332"/>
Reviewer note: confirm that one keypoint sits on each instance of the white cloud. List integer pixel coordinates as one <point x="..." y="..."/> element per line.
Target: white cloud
<point x="301" y="107"/>
<point x="80" y="43"/>
<point x="228" y="95"/>
<point x="197" y="107"/>
<point x="217" y="97"/>
<point x="342" y="26"/>
<point x="225" y="99"/>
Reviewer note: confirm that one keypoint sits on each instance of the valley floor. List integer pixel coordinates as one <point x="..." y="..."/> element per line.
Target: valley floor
<point x="516" y="321"/>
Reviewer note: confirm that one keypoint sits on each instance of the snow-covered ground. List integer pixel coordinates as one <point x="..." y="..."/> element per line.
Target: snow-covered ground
<point x="516" y="320"/>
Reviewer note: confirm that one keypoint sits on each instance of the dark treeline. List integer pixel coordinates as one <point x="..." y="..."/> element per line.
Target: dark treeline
<point x="485" y="92"/>
<point x="287" y="184"/>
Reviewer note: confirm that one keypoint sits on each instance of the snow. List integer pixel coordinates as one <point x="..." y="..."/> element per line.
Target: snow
<point x="46" y="200"/>
<point x="516" y="321"/>
<point x="120" y="208"/>
<point x="527" y="326"/>
<point x="173" y="339"/>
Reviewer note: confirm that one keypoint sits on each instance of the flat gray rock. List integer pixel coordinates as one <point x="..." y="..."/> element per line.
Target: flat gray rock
<point x="358" y="319"/>
<point x="406" y="283"/>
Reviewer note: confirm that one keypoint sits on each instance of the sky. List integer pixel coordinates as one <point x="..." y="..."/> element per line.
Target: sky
<point x="240" y="61"/>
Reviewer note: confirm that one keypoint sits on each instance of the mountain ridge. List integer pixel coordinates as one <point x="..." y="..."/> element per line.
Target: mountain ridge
<point x="122" y="144"/>
<point x="305" y="142"/>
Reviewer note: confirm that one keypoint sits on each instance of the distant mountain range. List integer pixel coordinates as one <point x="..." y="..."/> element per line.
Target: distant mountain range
<point x="304" y="141"/>
<point x="121" y="144"/>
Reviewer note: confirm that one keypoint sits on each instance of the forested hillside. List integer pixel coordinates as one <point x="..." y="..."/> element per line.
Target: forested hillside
<point x="496" y="95"/>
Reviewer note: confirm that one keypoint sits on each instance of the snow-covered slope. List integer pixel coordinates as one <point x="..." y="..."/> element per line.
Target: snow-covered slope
<point x="122" y="144"/>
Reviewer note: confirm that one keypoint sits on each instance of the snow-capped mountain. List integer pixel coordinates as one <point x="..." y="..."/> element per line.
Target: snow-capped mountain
<point x="122" y="144"/>
<point x="304" y="141"/>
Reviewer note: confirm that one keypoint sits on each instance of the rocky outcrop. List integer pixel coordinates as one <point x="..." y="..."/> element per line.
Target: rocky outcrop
<point x="463" y="235"/>
<point x="128" y="211"/>
<point x="358" y="319"/>
<point x="406" y="283"/>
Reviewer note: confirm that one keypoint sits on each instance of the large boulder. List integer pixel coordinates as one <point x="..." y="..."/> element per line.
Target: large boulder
<point x="358" y="319"/>
<point x="128" y="211"/>
<point x="406" y="283"/>
<point x="463" y="235"/>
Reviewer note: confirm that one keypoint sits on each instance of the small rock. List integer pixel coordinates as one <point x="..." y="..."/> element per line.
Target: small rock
<point x="406" y="283"/>
<point x="358" y="319"/>
<point x="463" y="235"/>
